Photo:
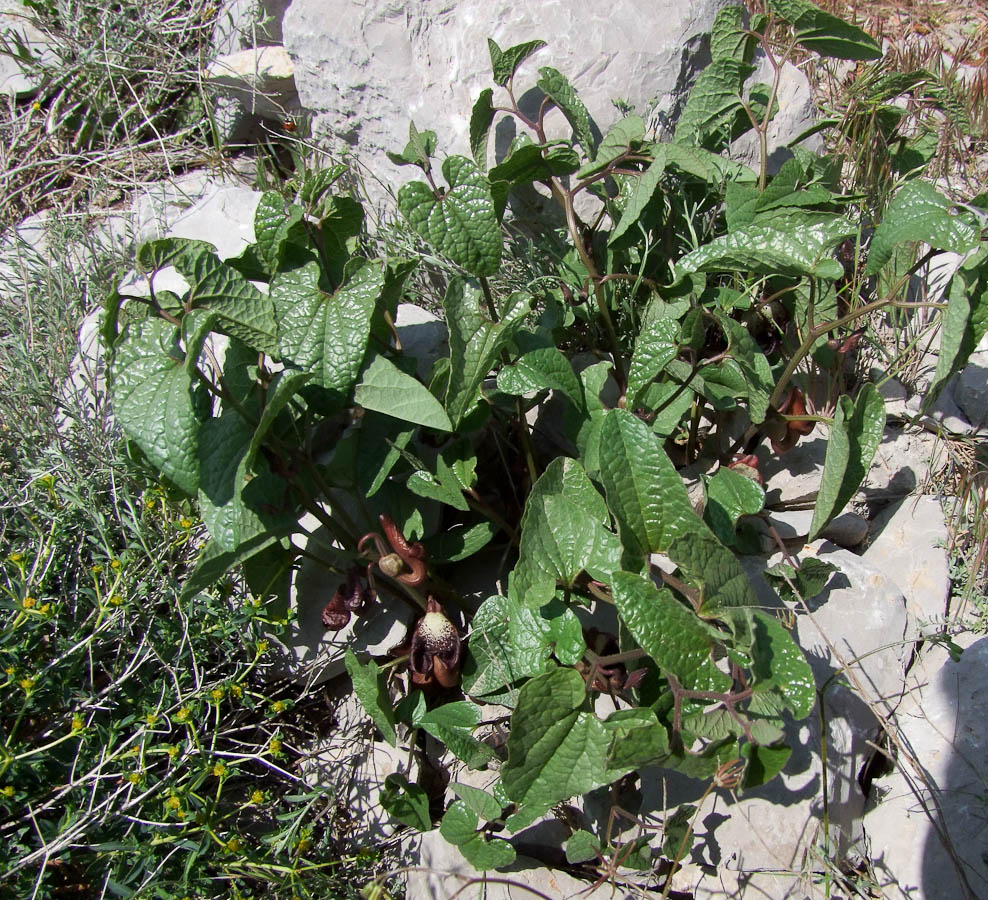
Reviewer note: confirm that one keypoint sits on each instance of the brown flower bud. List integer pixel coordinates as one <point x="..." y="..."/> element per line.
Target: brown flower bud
<point x="391" y="565"/>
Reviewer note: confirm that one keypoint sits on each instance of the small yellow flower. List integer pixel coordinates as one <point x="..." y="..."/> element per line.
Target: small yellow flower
<point x="237" y="691"/>
<point x="36" y="106"/>
<point x="9" y="671"/>
<point x="16" y="557"/>
<point x="152" y="718"/>
<point x="48" y="481"/>
<point x="275" y="746"/>
<point x="173" y="802"/>
<point x="45" y="609"/>
<point x="235" y="845"/>
<point x="28" y="684"/>
<point x="257" y="797"/>
<point x="116" y="600"/>
<point x="78" y="723"/>
<point x="135" y="777"/>
<point x="187" y="524"/>
<point x="219" y="770"/>
<point x="183" y="715"/>
<point x="304" y="845"/>
<point x="218" y="693"/>
<point x="30" y="603"/>
<point x="173" y="752"/>
<point x="262" y="647"/>
<point x="8" y="791"/>
<point x="116" y="565"/>
<point x="150" y="503"/>
<point x="279" y="706"/>
<point x="97" y="570"/>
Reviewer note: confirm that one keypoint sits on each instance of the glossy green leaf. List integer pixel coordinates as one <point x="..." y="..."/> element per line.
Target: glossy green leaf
<point x="564" y="531"/>
<point x="781" y="248"/>
<point x="481" y="119"/>
<point x="538" y="370"/>
<point x="509" y="642"/>
<point x="731" y="495"/>
<point x="371" y="690"/>
<point x="557" y="88"/>
<point x="714" y="103"/>
<point x="284" y="386"/>
<point x="556" y="749"/>
<point x="408" y="803"/>
<point x="656" y="345"/>
<point x="625" y="134"/>
<point x="461" y="222"/>
<point x="644" y="189"/>
<point x="780" y="666"/>
<point x="156" y="402"/>
<point x="461" y="541"/>
<point x="713" y="570"/>
<point x="670" y="633"/>
<point x="582" y="846"/>
<point x="327" y="334"/>
<point x="504" y="63"/>
<point x="475" y="343"/>
<point x="276" y="222"/>
<point x="919" y="212"/>
<point x="808" y="580"/>
<point x="764" y="763"/>
<point x="459" y="827"/>
<point x="965" y="322"/>
<point x="728" y="39"/>
<point x="637" y="740"/>
<point x="644" y="491"/>
<point x="824" y="33"/>
<point x="854" y="438"/>
<point x="418" y="151"/>
<point x="384" y="388"/>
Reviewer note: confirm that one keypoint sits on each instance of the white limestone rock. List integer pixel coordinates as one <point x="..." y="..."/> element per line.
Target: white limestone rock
<point x="971" y="390"/>
<point x="942" y="722"/>
<point x="909" y="544"/>
<point x="242" y="24"/>
<point x="260" y="79"/>
<point x="423" y="336"/>
<point x="366" y="70"/>
<point x="17" y="26"/>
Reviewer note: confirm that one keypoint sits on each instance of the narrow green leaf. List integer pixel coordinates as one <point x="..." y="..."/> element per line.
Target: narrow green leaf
<point x="461" y="223"/>
<point x="369" y="686"/>
<point x="556" y="749"/>
<point x="156" y="402"/>
<point x="558" y="89"/>
<point x="643" y="191"/>
<point x="965" y="322"/>
<point x="624" y="135"/>
<point x="671" y="634"/>
<point x="656" y="345"/>
<point x="788" y="246"/>
<point x="475" y="343"/>
<point x="481" y="118"/>
<point x="386" y="389"/>
<point x="453" y="724"/>
<point x="214" y="562"/>
<point x="919" y="212"/>
<point x="809" y="579"/>
<point x="854" y="438"/>
<point x="504" y="63"/>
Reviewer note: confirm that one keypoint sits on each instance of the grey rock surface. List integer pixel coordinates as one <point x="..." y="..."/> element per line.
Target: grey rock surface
<point x="941" y="722"/>
<point x="909" y="544"/>
<point x="261" y="79"/>
<point x="242" y="24"/>
<point x="365" y="70"/>
<point x="971" y="390"/>
<point x="17" y="27"/>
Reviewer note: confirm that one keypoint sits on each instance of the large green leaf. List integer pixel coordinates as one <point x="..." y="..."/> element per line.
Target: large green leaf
<point x="656" y="345"/>
<point x="461" y="222"/>
<point x="156" y="402"/>
<point x="919" y="212"/>
<point x="460" y="827"/>
<point x="753" y="364"/>
<point x="714" y="103"/>
<point x="565" y="530"/>
<point x="780" y="666"/>
<point x="644" y="491"/>
<point x="624" y="135"/>
<point x="509" y="642"/>
<point x="671" y="634"/>
<point x="481" y="118"/>
<point x="728" y="39"/>
<point x="536" y="162"/>
<point x="408" y="803"/>
<point x="453" y="724"/>
<point x="323" y="333"/>
<point x="558" y="89"/>
<point x="854" y="439"/>
<point x="274" y="225"/>
<point x="824" y="33"/>
<point x="966" y="319"/>
<point x="386" y="389"/>
<point x="538" y="370"/>
<point x="790" y="245"/>
<point x="557" y="748"/>
<point x="731" y="495"/>
<point x="475" y="343"/>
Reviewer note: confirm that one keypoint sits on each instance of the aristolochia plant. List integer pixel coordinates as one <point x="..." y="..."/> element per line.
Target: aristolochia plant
<point x="712" y="307"/>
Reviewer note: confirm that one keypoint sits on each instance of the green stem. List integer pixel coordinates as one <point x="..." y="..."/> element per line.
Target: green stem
<point x="489" y="300"/>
